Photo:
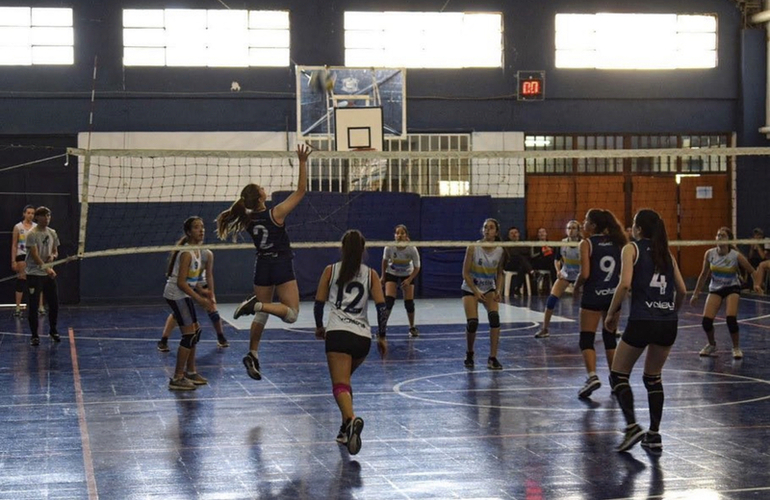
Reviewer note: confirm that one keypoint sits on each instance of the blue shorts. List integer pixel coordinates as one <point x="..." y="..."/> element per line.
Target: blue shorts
<point x="270" y="272"/>
<point x="183" y="311"/>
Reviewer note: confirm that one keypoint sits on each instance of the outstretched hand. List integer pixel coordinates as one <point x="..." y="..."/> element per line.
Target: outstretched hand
<point x="303" y="151"/>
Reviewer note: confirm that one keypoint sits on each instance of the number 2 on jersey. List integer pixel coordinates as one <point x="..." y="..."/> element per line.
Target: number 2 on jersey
<point x="260" y="229"/>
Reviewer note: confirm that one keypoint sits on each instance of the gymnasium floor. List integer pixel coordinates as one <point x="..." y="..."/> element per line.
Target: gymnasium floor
<point x="92" y="417"/>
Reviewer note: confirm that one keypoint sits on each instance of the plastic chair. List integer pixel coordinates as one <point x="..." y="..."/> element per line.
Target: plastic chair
<point x="509" y="276"/>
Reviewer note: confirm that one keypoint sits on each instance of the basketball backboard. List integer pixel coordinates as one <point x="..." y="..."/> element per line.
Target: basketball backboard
<point x="322" y="89"/>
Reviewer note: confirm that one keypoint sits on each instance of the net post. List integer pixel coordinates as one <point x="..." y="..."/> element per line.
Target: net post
<point x="84" y="203"/>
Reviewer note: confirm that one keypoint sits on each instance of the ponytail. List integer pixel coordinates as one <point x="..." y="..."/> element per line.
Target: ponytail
<point x="353" y="244"/>
<point x="235" y="219"/>
<point x="614" y="230"/>
<point x="653" y="227"/>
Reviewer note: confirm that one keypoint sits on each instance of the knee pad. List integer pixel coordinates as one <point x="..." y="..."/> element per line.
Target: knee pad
<point x="389" y="301"/>
<point x="732" y="324"/>
<point x="494" y="319"/>
<point x="610" y="342"/>
<point x="587" y="340"/>
<point x="653" y="383"/>
<point x="214" y="317"/>
<point x="551" y="301"/>
<point x="409" y="306"/>
<point x="472" y="325"/>
<point x="291" y="316"/>
<point x="260" y="318"/>
<point x="20" y="285"/>
<point x="618" y="380"/>
<point x="708" y="324"/>
<point x="187" y="341"/>
<point x="338" y="389"/>
<point x="197" y="336"/>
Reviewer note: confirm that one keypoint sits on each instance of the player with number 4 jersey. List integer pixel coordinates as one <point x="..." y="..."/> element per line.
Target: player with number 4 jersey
<point x="599" y="276"/>
<point x="650" y="273"/>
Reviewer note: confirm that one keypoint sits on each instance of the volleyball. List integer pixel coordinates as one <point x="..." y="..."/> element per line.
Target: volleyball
<point x="321" y="81"/>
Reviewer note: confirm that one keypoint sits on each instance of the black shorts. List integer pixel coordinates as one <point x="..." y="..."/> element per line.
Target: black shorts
<point x="728" y="290"/>
<point x="596" y="306"/>
<point x="346" y="342"/>
<point x="642" y="332"/>
<point x="183" y="311"/>
<point x="21" y="258"/>
<point x="269" y="272"/>
<point x="394" y="278"/>
<point x="466" y="293"/>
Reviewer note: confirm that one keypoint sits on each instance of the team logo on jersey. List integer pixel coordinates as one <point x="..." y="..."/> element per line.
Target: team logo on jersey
<point x="481" y="262"/>
<point x="656" y="304"/>
<point x="606" y="291"/>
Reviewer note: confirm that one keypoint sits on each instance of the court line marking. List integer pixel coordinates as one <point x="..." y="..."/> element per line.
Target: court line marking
<point x="397" y="389"/>
<point x="88" y="463"/>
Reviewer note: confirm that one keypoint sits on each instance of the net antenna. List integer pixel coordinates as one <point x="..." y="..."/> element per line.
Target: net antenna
<point x="87" y="167"/>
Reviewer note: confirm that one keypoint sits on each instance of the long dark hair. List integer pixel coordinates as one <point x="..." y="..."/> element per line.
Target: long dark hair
<point x="497" y="227"/>
<point x="652" y="226"/>
<point x="606" y="222"/>
<point x="353" y="244"/>
<point x="234" y="219"/>
<point x="188" y="223"/>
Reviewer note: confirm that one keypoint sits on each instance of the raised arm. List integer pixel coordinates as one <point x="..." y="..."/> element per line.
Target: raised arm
<point x="283" y="209"/>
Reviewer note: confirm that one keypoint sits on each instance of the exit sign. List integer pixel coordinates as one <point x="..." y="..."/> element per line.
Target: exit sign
<point x="531" y="86"/>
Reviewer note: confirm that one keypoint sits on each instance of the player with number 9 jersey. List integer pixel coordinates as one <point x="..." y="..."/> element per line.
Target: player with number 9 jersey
<point x="599" y="271"/>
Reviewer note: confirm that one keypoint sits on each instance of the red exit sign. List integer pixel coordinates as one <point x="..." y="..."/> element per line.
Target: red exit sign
<point x="531" y="86"/>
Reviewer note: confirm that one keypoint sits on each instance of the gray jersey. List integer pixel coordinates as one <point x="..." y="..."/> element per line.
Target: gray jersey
<point x="46" y="241"/>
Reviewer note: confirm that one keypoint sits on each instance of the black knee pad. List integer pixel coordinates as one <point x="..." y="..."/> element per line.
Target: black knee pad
<point x="409" y="306"/>
<point x="494" y="319"/>
<point x="610" y="342"/>
<point x="188" y="340"/>
<point x="732" y="324"/>
<point x="618" y="380"/>
<point x="20" y="285"/>
<point x="708" y="324"/>
<point x="653" y="383"/>
<point x="587" y="340"/>
<point x="472" y="325"/>
<point x="389" y="301"/>
<point x="197" y="336"/>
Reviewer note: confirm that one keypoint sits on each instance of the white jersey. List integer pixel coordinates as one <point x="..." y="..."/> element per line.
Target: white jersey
<point x="570" y="262"/>
<point x="21" y="243"/>
<point x="484" y="269"/>
<point x="401" y="261"/>
<point x="194" y="272"/>
<point x="724" y="269"/>
<point x="46" y="241"/>
<point x="206" y="254"/>
<point x="349" y="311"/>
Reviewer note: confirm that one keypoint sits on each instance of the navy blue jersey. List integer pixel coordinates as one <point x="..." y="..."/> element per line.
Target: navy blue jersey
<point x="652" y="292"/>
<point x="270" y="238"/>
<point x="605" y="273"/>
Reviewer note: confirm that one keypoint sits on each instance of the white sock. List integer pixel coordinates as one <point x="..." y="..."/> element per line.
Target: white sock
<point x="257" y="307"/>
<point x="591" y="374"/>
<point x="255" y="354"/>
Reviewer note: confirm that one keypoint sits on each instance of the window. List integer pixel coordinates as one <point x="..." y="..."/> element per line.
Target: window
<point x="32" y="36"/>
<point x="636" y="41"/>
<point x="423" y="39"/>
<point x="223" y="38"/>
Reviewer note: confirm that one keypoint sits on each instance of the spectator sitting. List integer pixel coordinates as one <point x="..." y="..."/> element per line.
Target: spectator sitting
<point x="517" y="261"/>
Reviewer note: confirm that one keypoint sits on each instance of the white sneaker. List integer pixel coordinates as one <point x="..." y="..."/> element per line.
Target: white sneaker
<point x="708" y="350"/>
<point x="737" y="353"/>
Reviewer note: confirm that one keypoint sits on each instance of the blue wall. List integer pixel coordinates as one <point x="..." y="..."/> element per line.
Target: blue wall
<point x="56" y="101"/>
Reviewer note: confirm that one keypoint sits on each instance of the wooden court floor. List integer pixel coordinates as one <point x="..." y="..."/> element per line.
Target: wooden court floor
<point x="92" y="417"/>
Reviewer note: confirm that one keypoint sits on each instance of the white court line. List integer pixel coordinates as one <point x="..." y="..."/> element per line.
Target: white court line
<point x="428" y="312"/>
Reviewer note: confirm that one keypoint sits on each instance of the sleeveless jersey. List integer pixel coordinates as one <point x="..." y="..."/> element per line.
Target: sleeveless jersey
<point x="401" y="261"/>
<point x="570" y="262"/>
<point x="652" y="293"/>
<point x="605" y="270"/>
<point x="21" y="244"/>
<point x="270" y="238"/>
<point x="724" y="269"/>
<point x="349" y="303"/>
<point x="194" y="272"/>
<point x="484" y="269"/>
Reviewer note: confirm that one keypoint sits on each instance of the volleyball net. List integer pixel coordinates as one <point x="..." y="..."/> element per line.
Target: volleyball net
<point x="136" y="200"/>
